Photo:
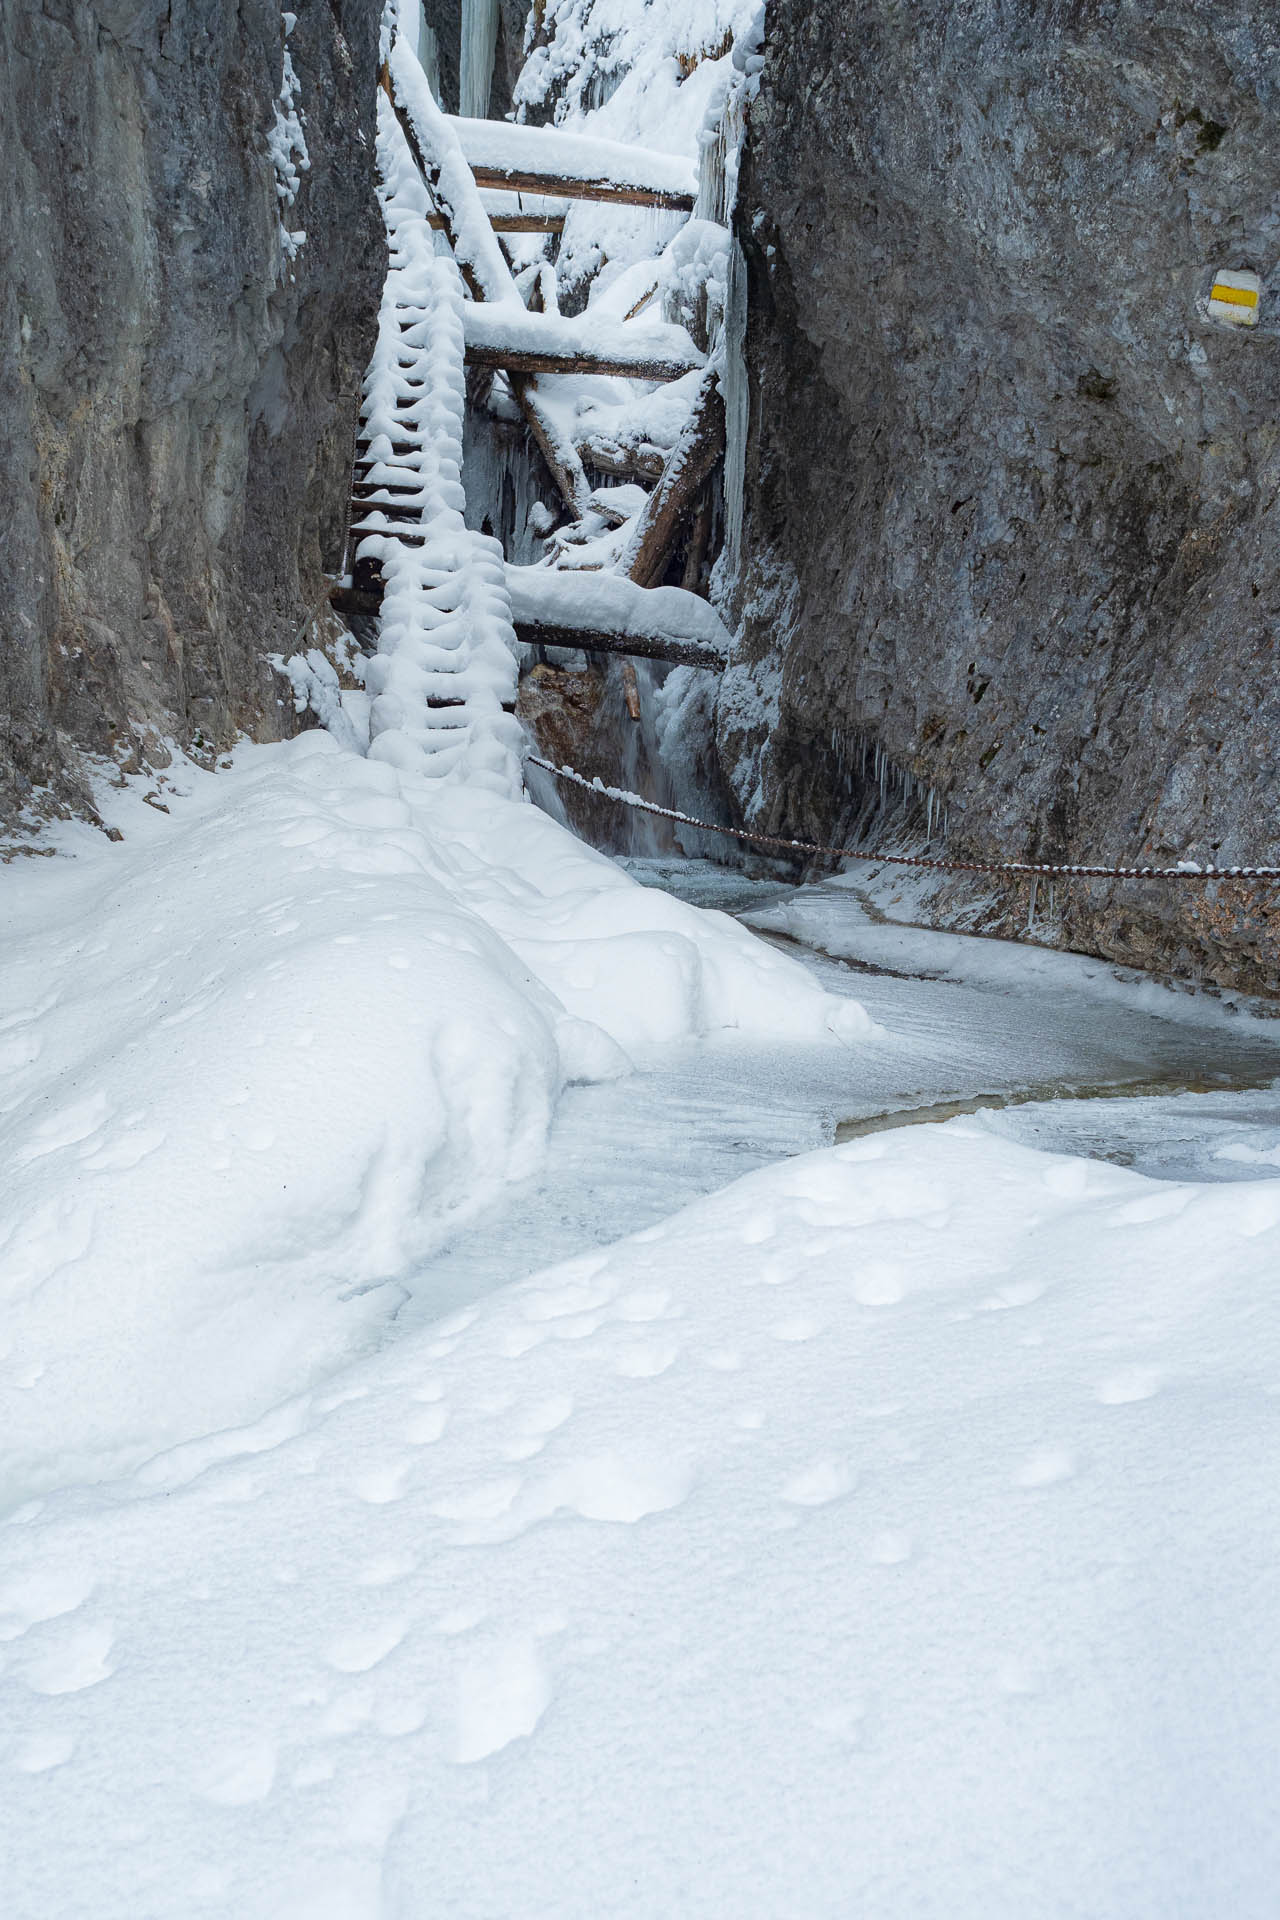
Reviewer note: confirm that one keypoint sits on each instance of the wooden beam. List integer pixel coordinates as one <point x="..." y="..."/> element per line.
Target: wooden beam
<point x="480" y="258"/>
<point x="354" y="600"/>
<point x="513" y="359"/>
<point x="688" y="466"/>
<point x="562" y="458"/>
<point x="565" y="186"/>
<point x="699" y="538"/>
<point x="680" y="653"/>
<point x="509" y="222"/>
<point x="624" y="463"/>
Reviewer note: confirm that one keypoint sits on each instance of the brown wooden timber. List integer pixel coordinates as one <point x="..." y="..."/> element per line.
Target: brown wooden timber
<point x="623" y="462"/>
<point x="680" y="653"/>
<point x="547" y="360"/>
<point x="699" y="537"/>
<point x="564" y="186"/>
<point x="688" y="467"/>
<point x="509" y="222"/>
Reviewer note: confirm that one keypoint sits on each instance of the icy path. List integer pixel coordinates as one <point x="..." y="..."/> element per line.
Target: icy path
<point x="890" y="1532"/>
<point x="694" y="1117"/>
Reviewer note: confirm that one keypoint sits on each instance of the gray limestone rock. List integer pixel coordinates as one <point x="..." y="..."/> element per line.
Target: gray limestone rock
<point x="177" y="396"/>
<point x="1013" y="507"/>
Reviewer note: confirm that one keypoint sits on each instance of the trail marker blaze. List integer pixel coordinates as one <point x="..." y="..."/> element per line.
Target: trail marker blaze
<point x="1234" y="297"/>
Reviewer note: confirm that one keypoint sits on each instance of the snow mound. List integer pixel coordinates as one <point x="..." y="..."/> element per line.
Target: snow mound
<point x="258" y="1067"/>
<point x="892" y="1533"/>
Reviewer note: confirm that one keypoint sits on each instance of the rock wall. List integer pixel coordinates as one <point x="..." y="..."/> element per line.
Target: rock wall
<point x="177" y="395"/>
<point x="1013" y="507"/>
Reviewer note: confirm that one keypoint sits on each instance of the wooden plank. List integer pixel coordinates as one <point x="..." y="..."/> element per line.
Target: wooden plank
<point x="559" y="452"/>
<point x="574" y="165"/>
<point x="624" y="463"/>
<point x="444" y="171"/>
<point x="680" y="653"/>
<point x="688" y="467"/>
<point x="565" y="186"/>
<point x="509" y="222"/>
<point x="519" y="359"/>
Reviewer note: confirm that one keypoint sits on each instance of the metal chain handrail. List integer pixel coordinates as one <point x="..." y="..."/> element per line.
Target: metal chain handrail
<point x="1034" y="869"/>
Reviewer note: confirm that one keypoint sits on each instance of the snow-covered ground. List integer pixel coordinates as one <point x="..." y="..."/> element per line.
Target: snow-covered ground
<point x="888" y="1531"/>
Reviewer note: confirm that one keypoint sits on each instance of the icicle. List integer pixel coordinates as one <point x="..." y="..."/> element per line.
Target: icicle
<point x="416" y="30"/>
<point x="736" y="407"/>
<point x="479" y="41"/>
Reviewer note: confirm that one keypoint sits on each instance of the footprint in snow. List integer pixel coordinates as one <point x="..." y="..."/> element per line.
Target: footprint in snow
<point x="1045" y="1468"/>
<point x="645" y="1363"/>
<point x="240" y="1776"/>
<point x="878" y="1284"/>
<point x="500" y="1698"/>
<point x="42" y="1752"/>
<point x="39" y="1594"/>
<point x="890" y="1549"/>
<point x="425" y="1427"/>
<point x="818" y="1484"/>
<point x="1127" y="1384"/>
<point x="359" y="1651"/>
<point x="797" y="1329"/>
<point x="71" y="1659"/>
<point x="381" y="1485"/>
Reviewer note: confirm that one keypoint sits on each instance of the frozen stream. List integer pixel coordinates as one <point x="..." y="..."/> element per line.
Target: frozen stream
<point x="962" y="1019"/>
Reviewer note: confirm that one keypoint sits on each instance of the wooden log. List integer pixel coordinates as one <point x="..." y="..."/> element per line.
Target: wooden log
<point x="631" y="690"/>
<point x="563" y="461"/>
<point x="556" y="161"/>
<point x="679" y="653"/>
<point x="509" y="222"/>
<point x="624" y="463"/>
<point x="567" y="186"/>
<point x="699" y="538"/>
<point x="688" y="467"/>
<point x="355" y="600"/>
<point x="513" y="359"/>
<point x="438" y="158"/>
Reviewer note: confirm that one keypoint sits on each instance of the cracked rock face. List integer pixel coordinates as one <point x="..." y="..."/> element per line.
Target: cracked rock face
<point x="1013" y="508"/>
<point x="177" y="396"/>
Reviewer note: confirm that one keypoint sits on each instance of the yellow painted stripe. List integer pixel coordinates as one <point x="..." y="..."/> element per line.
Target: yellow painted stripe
<point x="1234" y="296"/>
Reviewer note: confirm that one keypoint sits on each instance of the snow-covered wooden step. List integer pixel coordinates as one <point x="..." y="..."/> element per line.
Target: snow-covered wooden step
<point x="606" y="613"/>
<point x="573" y="166"/>
<point x="504" y="334"/>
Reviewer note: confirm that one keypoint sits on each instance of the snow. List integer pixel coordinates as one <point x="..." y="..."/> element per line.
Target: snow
<point x="452" y="183"/>
<point x="287" y="144"/>
<point x="404" y="1511"/>
<point x="259" y="1067"/>
<point x="638" y="342"/>
<point x="852" y="916"/>
<point x="444" y="677"/>
<point x="572" y="156"/>
<point x="431" y="1482"/>
<point x="891" y="1532"/>
<point x="610" y="603"/>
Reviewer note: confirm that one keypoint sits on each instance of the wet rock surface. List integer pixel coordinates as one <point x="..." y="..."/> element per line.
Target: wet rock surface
<point x="1013" y="510"/>
<point x="177" y="395"/>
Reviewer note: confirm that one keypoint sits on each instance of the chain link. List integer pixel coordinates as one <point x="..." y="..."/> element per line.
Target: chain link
<point x="1032" y="868"/>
